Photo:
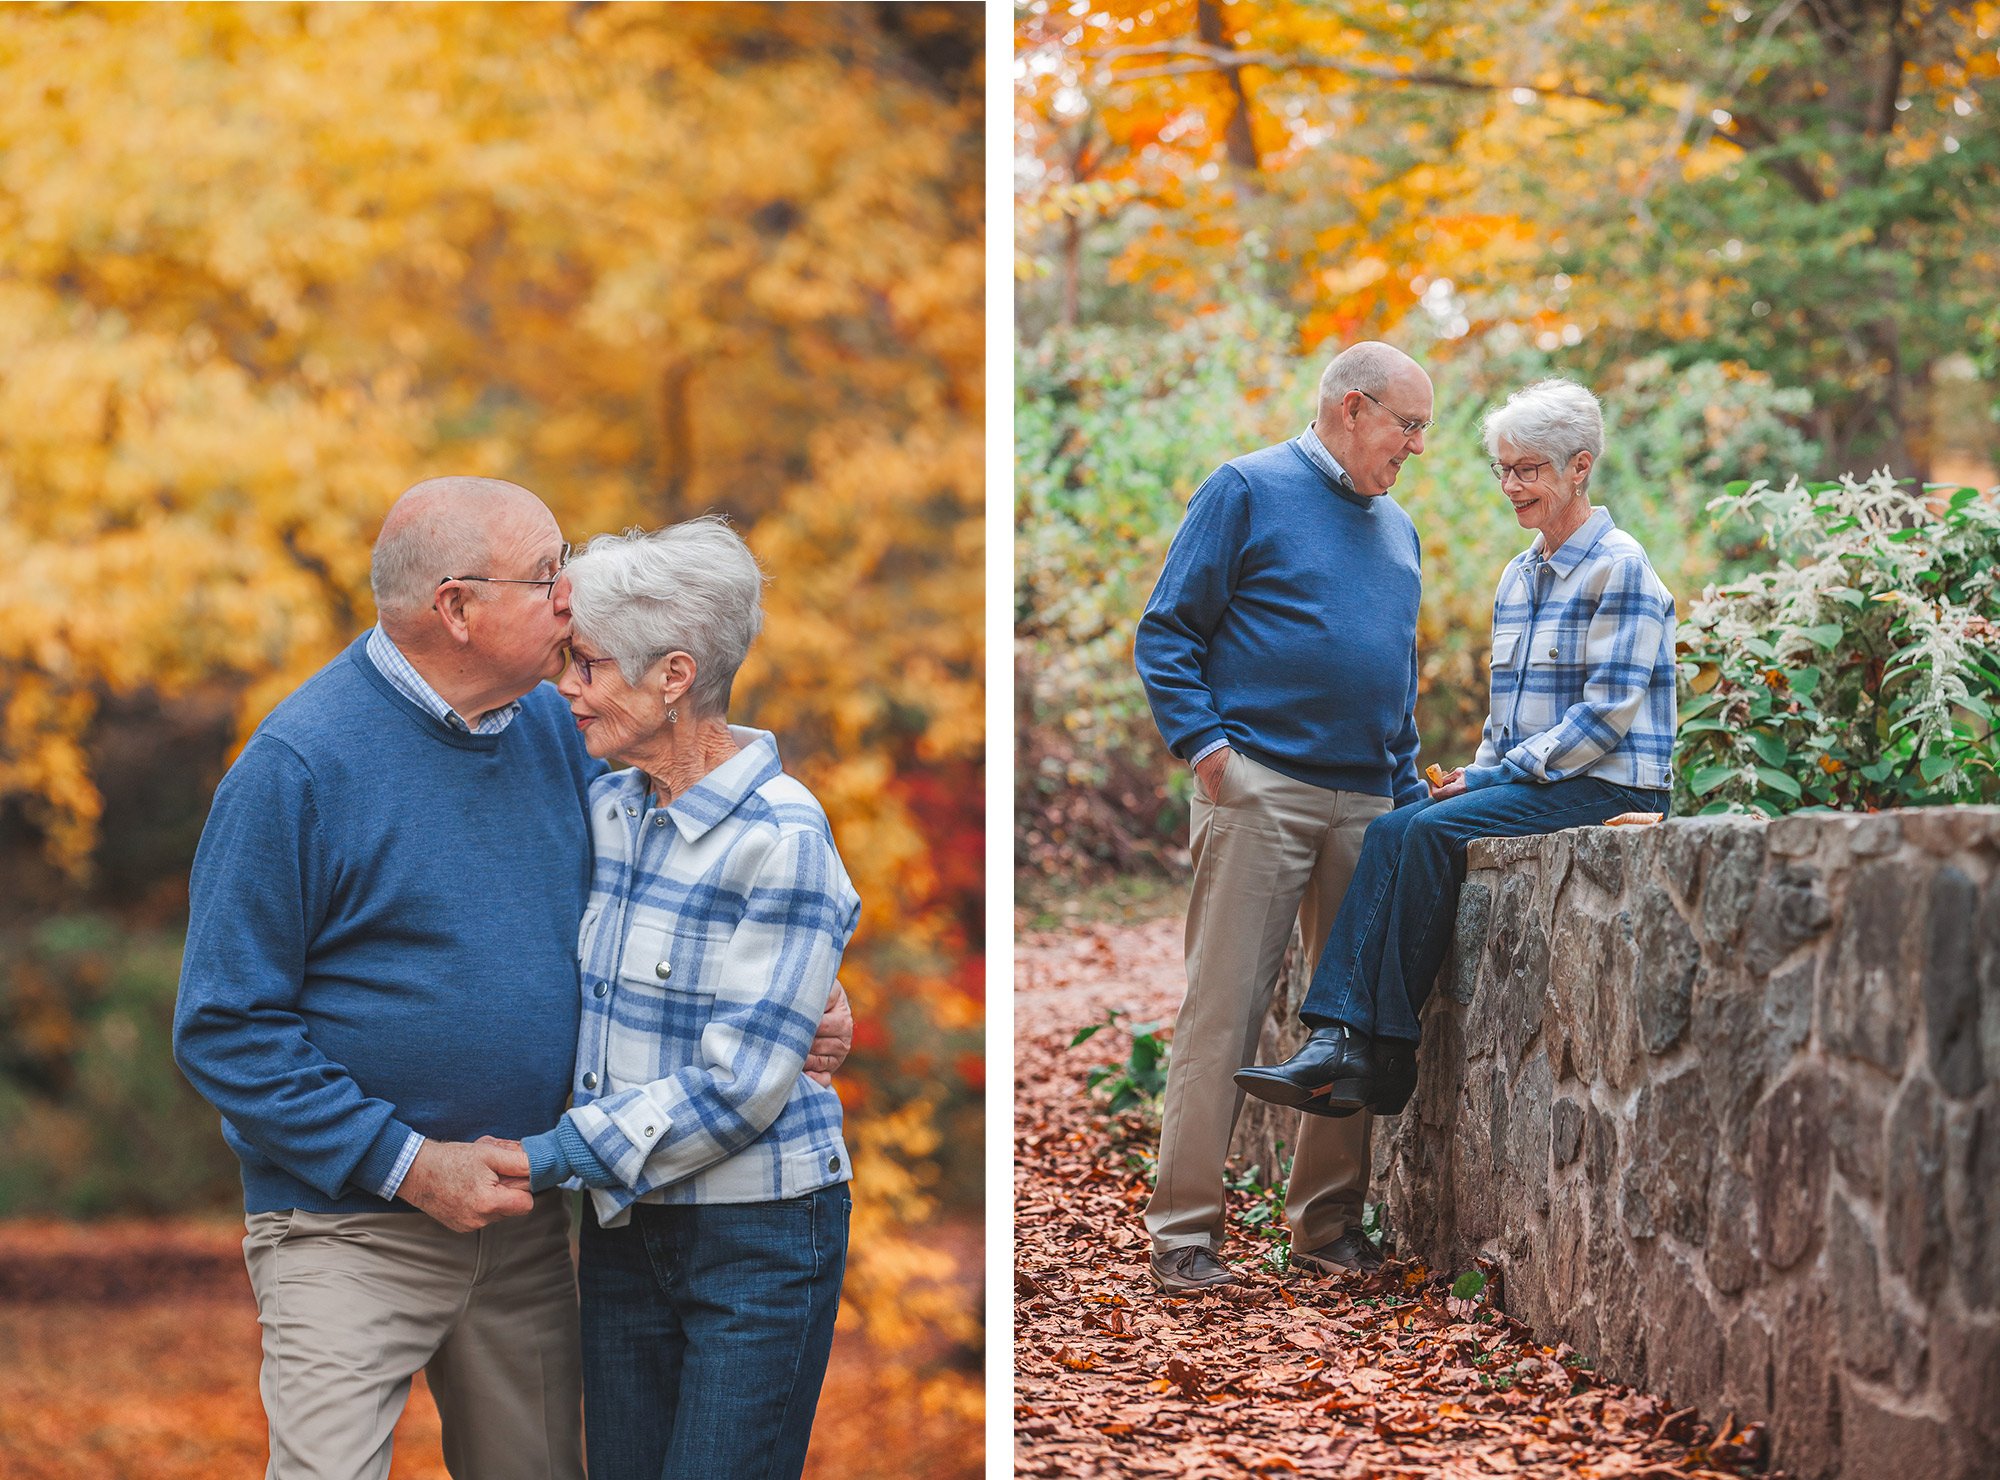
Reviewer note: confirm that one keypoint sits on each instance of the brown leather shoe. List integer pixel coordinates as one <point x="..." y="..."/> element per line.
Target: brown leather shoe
<point x="1351" y="1253"/>
<point x="1189" y="1270"/>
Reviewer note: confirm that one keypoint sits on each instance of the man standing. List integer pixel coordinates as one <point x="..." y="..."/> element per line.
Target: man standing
<point x="1279" y="655"/>
<point x="380" y="994"/>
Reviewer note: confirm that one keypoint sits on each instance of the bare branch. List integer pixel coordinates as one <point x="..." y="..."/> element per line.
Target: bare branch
<point x="1196" y="58"/>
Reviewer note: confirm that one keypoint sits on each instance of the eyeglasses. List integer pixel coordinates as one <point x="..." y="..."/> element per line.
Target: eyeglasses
<point x="1410" y="428"/>
<point x="1524" y="473"/>
<point x="548" y="586"/>
<point x="583" y="664"/>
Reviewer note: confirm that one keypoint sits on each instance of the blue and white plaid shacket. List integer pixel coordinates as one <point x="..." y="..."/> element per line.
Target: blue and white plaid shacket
<point x="709" y="948"/>
<point x="1583" y="665"/>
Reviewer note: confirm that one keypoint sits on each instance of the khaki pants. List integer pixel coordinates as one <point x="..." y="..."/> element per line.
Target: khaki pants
<point x="352" y="1304"/>
<point x="1267" y="850"/>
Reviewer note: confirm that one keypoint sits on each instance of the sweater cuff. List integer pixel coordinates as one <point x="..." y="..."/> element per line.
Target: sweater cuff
<point x="382" y="1165"/>
<point x="547" y="1166"/>
<point x="583" y="1162"/>
<point x="1199" y="745"/>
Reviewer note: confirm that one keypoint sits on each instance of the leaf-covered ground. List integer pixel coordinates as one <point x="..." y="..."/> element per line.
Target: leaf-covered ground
<point x="1382" y="1377"/>
<point x="129" y="1351"/>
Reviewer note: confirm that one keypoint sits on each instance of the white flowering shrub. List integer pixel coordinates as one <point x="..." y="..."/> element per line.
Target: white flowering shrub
<point x="1860" y="671"/>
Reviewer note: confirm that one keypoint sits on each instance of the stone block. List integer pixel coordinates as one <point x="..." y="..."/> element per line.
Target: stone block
<point x="1568" y="1260"/>
<point x="1943" y="831"/>
<point x="1878" y="1339"/>
<point x="1972" y="1205"/>
<point x="1866" y="986"/>
<point x="1788" y="1165"/>
<point x="1600" y="857"/>
<point x="1913" y="1194"/>
<point x="1501" y="853"/>
<point x="1748" y="1374"/>
<point x="1672" y="1155"/>
<point x="1566" y="1132"/>
<point x="1989" y="980"/>
<point x="1684" y="1347"/>
<point x="1857" y="1110"/>
<point x="1805" y="1411"/>
<point x="1745" y="1033"/>
<point x="1798" y="837"/>
<point x="1468" y="941"/>
<point x="1874" y="835"/>
<point x="1669" y="957"/>
<point x="1731" y="868"/>
<point x="1732" y="1232"/>
<point x="1528" y="1134"/>
<point x="1791" y="908"/>
<point x="1951" y="983"/>
<point x="1968" y="1379"/>
<point x="1881" y="1436"/>
<point x="1619" y="1303"/>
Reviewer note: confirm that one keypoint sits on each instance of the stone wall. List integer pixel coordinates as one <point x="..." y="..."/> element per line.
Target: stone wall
<point x="1721" y="1101"/>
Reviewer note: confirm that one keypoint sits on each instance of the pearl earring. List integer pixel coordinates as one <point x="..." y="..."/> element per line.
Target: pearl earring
<point x="673" y="715"/>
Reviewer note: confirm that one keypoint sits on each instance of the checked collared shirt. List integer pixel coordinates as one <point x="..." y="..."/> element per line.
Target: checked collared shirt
<point x="1583" y="665"/>
<point x="709" y="947"/>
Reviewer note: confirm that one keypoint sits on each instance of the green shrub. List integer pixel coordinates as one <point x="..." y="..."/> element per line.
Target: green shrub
<point x="1859" y="671"/>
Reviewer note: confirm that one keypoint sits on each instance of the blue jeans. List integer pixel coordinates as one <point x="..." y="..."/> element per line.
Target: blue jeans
<point x="1394" y="926"/>
<point x="706" y="1332"/>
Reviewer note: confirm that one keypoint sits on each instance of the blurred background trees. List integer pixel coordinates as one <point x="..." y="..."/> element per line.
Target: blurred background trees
<point x="1764" y="231"/>
<point x="262" y="267"/>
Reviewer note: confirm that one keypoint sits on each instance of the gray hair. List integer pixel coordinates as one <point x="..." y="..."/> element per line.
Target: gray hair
<point x="691" y="588"/>
<point x="438" y="528"/>
<point x="1555" y="418"/>
<point x="1367" y="367"/>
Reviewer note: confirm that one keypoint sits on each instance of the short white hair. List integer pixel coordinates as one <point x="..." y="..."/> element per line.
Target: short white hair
<point x="691" y="588"/>
<point x="1367" y="367"/>
<point x="1555" y="418"/>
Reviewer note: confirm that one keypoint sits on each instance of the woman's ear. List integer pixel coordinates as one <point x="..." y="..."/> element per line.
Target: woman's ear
<point x="676" y="677"/>
<point x="1581" y="465"/>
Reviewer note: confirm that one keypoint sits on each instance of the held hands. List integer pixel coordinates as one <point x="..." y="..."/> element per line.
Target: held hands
<point x="832" y="1039"/>
<point x="467" y="1186"/>
<point x="1444" y="783"/>
<point x="1209" y="771"/>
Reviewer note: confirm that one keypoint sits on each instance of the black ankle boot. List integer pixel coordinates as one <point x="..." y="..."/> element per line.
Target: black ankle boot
<point x="1333" y="1073"/>
<point x="1395" y="1075"/>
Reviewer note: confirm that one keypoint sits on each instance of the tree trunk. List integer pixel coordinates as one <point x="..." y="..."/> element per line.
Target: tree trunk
<point x="1237" y="136"/>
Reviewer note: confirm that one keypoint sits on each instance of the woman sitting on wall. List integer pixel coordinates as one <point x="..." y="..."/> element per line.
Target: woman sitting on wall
<point x="1581" y="729"/>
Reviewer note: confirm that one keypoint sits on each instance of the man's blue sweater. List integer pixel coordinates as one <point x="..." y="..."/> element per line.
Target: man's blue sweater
<point x="1285" y="622"/>
<point x="382" y="936"/>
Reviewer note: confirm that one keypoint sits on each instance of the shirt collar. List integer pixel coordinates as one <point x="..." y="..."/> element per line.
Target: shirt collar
<point x="402" y="674"/>
<point x="1315" y="451"/>
<point x="1574" y="550"/>
<point x="723" y="790"/>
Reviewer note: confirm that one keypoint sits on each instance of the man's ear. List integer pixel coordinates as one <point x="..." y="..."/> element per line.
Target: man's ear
<point x="450" y="602"/>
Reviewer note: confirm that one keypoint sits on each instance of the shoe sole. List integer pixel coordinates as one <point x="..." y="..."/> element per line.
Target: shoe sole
<point x="1336" y="1097"/>
<point x="1160" y="1284"/>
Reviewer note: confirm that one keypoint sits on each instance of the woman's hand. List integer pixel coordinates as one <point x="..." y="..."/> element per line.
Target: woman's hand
<point x="1445" y="783"/>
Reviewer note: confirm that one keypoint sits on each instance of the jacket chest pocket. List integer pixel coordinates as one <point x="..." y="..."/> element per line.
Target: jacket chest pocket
<point x="657" y="958"/>
<point x="1506" y="648"/>
<point x="1549" y="649"/>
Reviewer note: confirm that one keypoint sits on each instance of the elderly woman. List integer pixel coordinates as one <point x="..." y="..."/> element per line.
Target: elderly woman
<point x="1581" y="729"/>
<point x="716" y="1238"/>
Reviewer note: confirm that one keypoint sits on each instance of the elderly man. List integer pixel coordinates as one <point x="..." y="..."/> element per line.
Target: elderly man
<point x="380" y="994"/>
<point x="1279" y="654"/>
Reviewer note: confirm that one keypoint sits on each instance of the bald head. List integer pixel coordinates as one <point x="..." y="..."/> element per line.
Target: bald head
<point x="1371" y="367"/>
<point x="444" y="527"/>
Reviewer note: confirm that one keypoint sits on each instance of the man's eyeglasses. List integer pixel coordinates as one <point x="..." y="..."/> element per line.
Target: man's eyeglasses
<point x="548" y="584"/>
<point x="1410" y="428"/>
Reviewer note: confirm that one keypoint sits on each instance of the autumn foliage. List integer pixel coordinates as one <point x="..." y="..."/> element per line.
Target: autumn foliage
<point x="262" y="267"/>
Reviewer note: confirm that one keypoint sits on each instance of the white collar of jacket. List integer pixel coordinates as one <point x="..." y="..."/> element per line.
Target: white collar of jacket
<point x="719" y="793"/>
<point x="1576" y="549"/>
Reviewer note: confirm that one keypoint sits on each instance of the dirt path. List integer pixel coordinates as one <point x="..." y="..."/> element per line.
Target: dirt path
<point x="1347" y="1377"/>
